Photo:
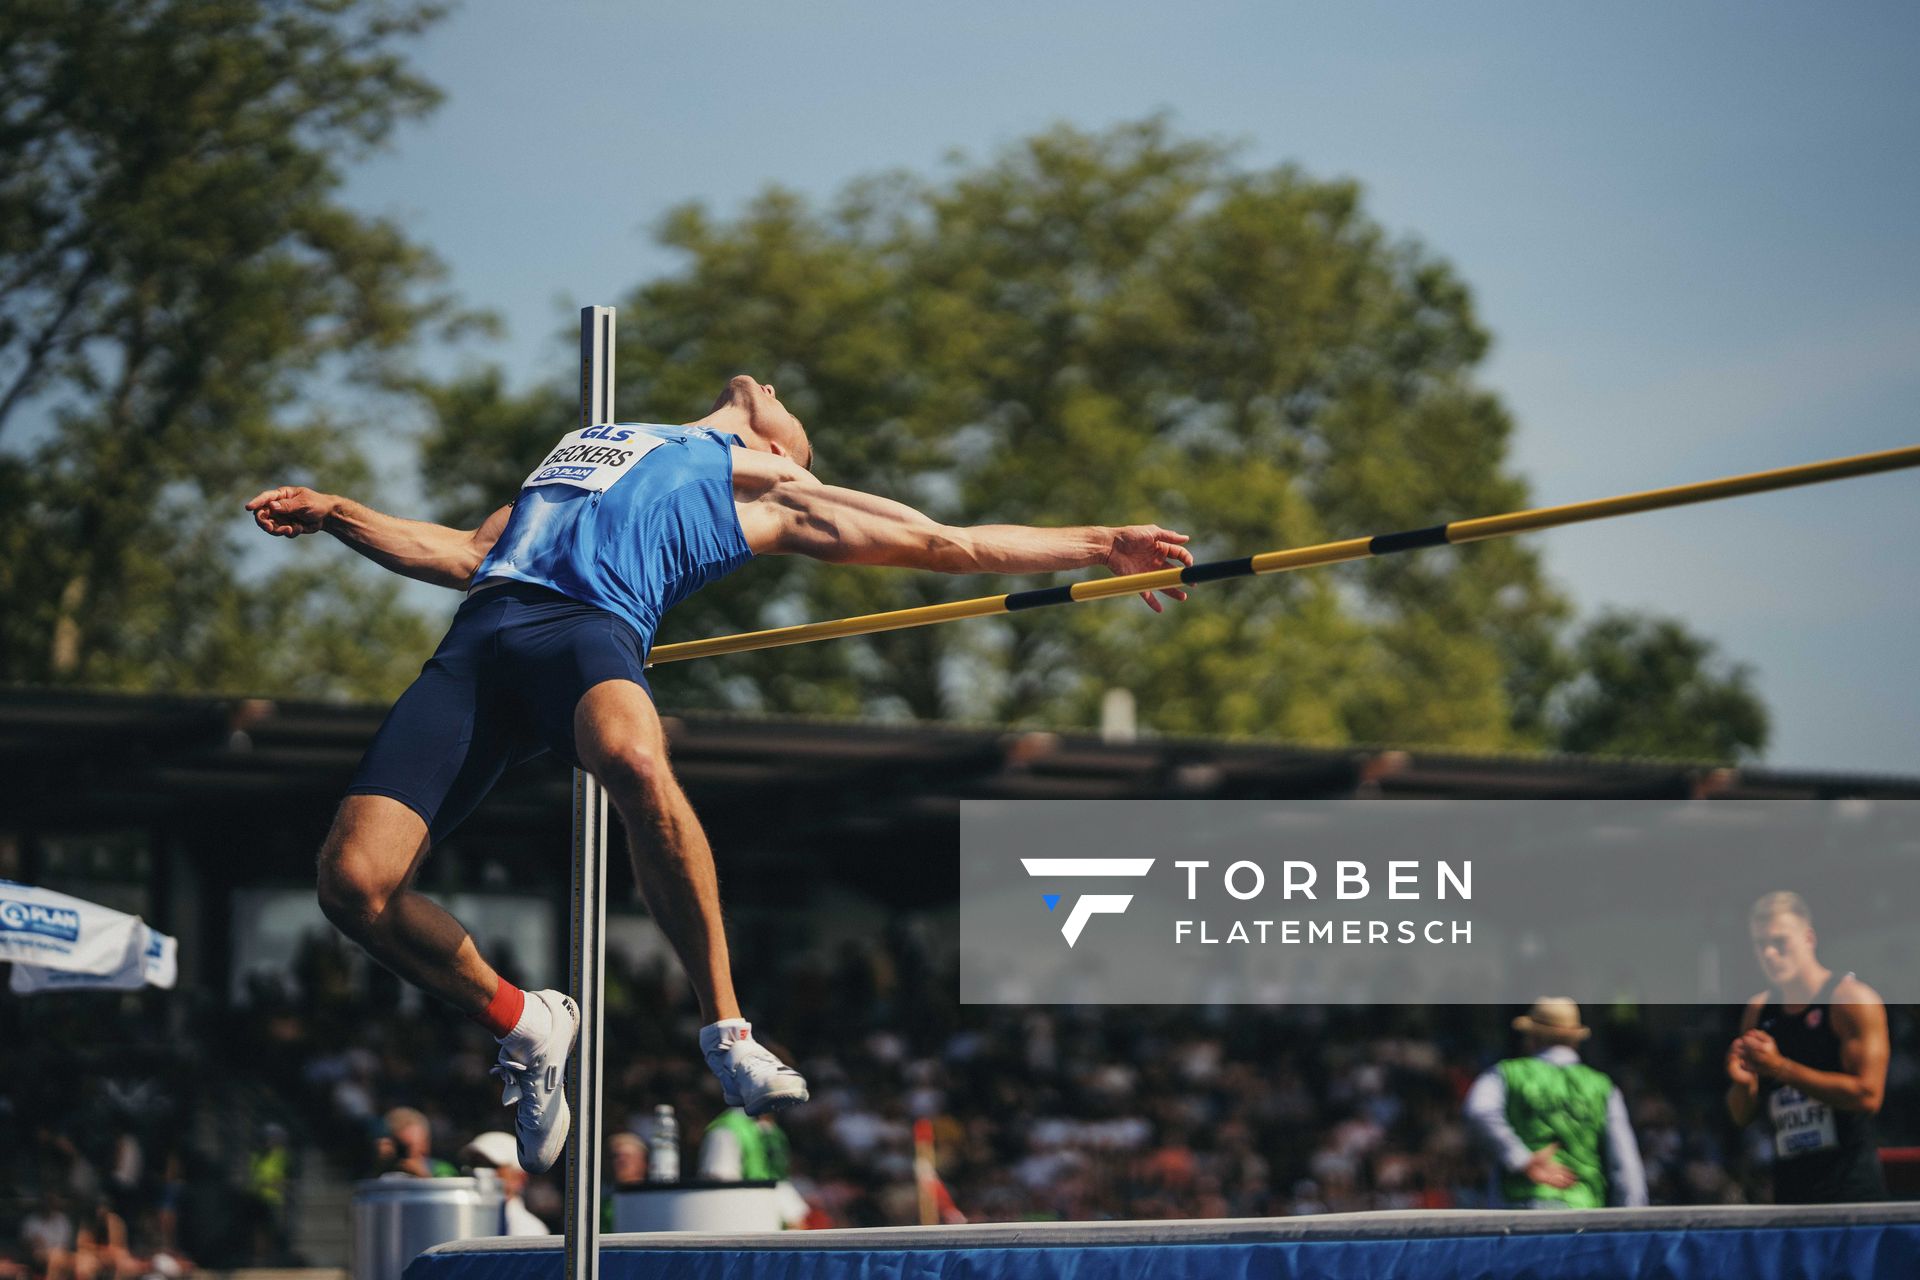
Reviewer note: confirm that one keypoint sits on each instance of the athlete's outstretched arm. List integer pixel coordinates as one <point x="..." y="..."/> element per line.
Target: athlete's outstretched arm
<point x="797" y="515"/>
<point x="413" y="548"/>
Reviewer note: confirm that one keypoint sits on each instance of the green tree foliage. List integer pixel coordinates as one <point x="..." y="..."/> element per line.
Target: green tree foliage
<point x="1097" y="328"/>
<point x="1648" y="687"/>
<point x="177" y="278"/>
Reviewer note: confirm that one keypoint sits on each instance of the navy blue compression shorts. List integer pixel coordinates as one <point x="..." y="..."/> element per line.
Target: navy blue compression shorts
<point x="500" y="689"/>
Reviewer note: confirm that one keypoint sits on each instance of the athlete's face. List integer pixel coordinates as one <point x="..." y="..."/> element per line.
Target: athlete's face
<point x="772" y="421"/>
<point x="1784" y="948"/>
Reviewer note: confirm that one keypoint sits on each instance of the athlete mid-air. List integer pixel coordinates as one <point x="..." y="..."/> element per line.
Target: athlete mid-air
<point x="566" y="586"/>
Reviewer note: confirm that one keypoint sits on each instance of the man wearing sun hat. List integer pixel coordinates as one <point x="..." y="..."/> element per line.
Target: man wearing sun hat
<point x="1558" y="1128"/>
<point x="500" y="1152"/>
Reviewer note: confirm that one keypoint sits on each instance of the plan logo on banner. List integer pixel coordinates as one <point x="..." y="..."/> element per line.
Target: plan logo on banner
<point x="58" y="923"/>
<point x="1091" y="904"/>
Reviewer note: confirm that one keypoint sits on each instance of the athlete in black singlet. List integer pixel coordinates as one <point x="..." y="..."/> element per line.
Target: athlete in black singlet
<point x="1812" y="1055"/>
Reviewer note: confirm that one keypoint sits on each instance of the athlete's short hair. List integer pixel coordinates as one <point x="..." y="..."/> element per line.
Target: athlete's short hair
<point x="1782" y="903"/>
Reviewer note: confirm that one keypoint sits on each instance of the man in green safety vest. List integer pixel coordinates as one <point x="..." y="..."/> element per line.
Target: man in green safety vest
<point x="739" y="1148"/>
<point x="1557" y="1127"/>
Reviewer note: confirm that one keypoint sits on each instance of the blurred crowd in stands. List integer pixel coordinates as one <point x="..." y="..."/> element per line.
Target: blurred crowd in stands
<point x="140" y="1139"/>
<point x="100" y="1178"/>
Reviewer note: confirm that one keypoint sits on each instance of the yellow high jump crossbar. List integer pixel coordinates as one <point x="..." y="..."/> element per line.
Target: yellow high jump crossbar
<point x="1459" y="531"/>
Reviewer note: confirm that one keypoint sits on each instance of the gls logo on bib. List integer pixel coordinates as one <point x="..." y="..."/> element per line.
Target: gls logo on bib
<point x="593" y="458"/>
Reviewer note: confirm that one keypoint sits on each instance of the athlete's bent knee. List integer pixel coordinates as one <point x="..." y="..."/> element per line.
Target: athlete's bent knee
<point x="353" y="894"/>
<point x="636" y="772"/>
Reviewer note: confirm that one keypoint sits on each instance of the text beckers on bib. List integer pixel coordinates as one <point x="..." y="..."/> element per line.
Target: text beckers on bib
<point x="593" y="458"/>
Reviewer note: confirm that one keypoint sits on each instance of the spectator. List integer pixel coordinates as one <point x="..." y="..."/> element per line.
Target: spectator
<point x="1558" y="1128"/>
<point x="383" y="1154"/>
<point x="126" y="1171"/>
<point x="48" y="1234"/>
<point x="413" y="1139"/>
<point x="738" y="1148"/>
<point x="269" y="1174"/>
<point x="100" y="1248"/>
<point x="497" y="1151"/>
<point x="627" y="1165"/>
<point x="629" y="1159"/>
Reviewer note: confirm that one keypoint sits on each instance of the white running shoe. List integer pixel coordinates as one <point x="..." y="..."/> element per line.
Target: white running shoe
<point x="538" y="1085"/>
<point x="750" y="1077"/>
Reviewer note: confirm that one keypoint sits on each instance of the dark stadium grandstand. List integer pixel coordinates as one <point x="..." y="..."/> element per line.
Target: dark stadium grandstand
<point x="224" y="1121"/>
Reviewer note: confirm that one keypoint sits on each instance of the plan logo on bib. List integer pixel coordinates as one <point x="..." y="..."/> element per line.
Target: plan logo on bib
<point x="1087" y="905"/>
<point x="594" y="458"/>
<point x="562" y="473"/>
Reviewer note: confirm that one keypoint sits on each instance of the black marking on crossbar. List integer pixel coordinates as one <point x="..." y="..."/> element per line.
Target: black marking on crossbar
<point x="1038" y="599"/>
<point x="1215" y="570"/>
<point x="1412" y="540"/>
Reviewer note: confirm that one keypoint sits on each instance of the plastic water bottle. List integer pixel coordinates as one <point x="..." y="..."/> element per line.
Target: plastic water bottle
<point x="663" y="1146"/>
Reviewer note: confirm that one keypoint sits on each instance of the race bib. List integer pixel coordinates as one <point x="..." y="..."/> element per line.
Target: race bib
<point x="1801" y="1125"/>
<point x="593" y="458"/>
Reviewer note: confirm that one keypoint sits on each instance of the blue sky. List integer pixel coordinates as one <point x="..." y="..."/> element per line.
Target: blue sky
<point x="1693" y="230"/>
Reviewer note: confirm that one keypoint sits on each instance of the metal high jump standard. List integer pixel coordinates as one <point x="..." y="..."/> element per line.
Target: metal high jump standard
<point x="587" y="976"/>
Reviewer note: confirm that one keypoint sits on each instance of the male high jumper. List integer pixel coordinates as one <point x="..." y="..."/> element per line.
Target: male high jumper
<point x="565" y="587"/>
<point x="1812" y="1058"/>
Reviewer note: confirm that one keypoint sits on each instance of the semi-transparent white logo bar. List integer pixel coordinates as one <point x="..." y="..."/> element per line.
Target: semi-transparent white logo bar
<point x="1431" y="902"/>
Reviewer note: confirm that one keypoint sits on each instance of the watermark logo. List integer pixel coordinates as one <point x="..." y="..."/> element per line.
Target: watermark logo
<point x="60" y="923"/>
<point x="1090" y="904"/>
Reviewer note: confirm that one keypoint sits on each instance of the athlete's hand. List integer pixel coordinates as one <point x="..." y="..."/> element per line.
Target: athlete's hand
<point x="1760" y="1053"/>
<point x="1547" y="1171"/>
<point x="291" y="510"/>
<point x="1737" y="1069"/>
<point x="1142" y="548"/>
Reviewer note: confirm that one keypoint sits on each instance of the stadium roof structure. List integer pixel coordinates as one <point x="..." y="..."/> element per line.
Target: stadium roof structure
<point x="141" y="754"/>
<point x="851" y="795"/>
<point x="129" y="752"/>
<point x="227" y="793"/>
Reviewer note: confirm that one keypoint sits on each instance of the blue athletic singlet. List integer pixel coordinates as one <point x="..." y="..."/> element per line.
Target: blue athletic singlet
<point x="662" y="527"/>
<point x="619" y="523"/>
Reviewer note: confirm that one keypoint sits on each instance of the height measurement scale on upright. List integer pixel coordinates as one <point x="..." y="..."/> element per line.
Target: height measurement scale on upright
<point x="587" y="976"/>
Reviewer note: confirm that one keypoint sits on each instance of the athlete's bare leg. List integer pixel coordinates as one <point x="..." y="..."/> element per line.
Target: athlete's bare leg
<point x="618" y="737"/>
<point x="366" y="867"/>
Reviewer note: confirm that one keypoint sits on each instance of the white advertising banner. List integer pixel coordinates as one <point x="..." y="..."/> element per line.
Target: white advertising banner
<point x="56" y="941"/>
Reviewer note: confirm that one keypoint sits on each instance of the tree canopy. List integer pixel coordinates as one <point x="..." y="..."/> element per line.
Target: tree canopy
<point x="1098" y="328"/>
<point x="1649" y="687"/>
<point x="179" y="275"/>
<point x="1111" y="327"/>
